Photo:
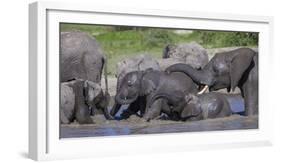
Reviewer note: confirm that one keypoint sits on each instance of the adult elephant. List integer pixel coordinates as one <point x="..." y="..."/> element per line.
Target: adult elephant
<point x="143" y="84"/>
<point x="236" y="68"/>
<point x="192" y="54"/>
<point x="81" y="57"/>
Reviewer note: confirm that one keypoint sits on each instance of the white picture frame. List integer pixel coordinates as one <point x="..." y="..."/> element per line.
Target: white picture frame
<point x="44" y="142"/>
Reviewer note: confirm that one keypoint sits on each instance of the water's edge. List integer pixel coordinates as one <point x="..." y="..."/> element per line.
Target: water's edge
<point x="235" y="122"/>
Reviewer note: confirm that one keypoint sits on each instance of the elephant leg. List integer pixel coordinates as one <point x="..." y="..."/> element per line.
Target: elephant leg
<point x="251" y="101"/>
<point x="165" y="107"/>
<point x="250" y="93"/>
<point x="63" y="118"/>
<point x="250" y="90"/>
<point x="116" y="107"/>
<point x="82" y="115"/>
<point x="104" y="106"/>
<point x="154" y="111"/>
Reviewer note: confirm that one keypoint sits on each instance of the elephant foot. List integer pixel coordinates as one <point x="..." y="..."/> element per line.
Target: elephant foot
<point x="251" y="111"/>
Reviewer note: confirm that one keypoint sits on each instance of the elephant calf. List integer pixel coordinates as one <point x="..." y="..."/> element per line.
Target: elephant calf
<point x="73" y="104"/>
<point x="81" y="98"/>
<point x="187" y="106"/>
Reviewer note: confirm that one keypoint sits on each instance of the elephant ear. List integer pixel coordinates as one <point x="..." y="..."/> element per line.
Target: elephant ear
<point x="238" y="65"/>
<point x="192" y="107"/>
<point x="93" y="89"/>
<point x="148" y="86"/>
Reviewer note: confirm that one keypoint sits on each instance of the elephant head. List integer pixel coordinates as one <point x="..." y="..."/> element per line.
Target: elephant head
<point x="192" y="106"/>
<point x="224" y="70"/>
<point x="129" y="88"/>
<point x="133" y="85"/>
<point x="92" y="90"/>
<point x="96" y="98"/>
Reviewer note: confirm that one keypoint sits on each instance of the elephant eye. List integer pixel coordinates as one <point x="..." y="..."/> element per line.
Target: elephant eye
<point x="130" y="83"/>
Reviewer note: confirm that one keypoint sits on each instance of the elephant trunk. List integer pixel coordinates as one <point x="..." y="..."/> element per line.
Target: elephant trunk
<point x="107" y="114"/>
<point x="198" y="76"/>
<point x="105" y="109"/>
<point x="116" y="107"/>
<point x="124" y="101"/>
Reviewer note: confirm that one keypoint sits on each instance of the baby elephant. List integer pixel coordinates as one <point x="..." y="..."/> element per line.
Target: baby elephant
<point x="186" y="106"/>
<point x="80" y="99"/>
<point x="72" y="103"/>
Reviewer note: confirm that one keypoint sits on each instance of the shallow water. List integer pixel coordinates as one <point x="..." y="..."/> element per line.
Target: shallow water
<point x="236" y="103"/>
<point x="233" y="122"/>
<point x="135" y="125"/>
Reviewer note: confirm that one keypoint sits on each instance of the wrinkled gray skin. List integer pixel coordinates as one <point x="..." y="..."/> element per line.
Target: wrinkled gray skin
<point x="164" y="63"/>
<point x="96" y="99"/>
<point x="188" y="106"/>
<point x="67" y="103"/>
<point x="138" y="63"/>
<point x="192" y="54"/>
<point x="73" y="104"/>
<point x="237" y="68"/>
<point x="80" y="99"/>
<point x="81" y="57"/>
<point x="144" y="84"/>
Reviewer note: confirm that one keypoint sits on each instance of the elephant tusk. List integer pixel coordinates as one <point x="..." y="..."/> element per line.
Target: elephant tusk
<point x="203" y="90"/>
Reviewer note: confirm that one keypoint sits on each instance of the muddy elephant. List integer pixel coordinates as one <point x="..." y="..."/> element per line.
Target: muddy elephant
<point x="236" y="68"/>
<point x="141" y="62"/>
<point x="81" y="58"/>
<point x="72" y="103"/>
<point x="192" y="54"/>
<point x="189" y="106"/>
<point x="142" y="84"/>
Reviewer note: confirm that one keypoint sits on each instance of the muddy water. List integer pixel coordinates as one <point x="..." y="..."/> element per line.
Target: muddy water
<point x="136" y="125"/>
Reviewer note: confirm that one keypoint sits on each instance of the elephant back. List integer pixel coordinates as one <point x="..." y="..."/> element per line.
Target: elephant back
<point x="138" y="63"/>
<point x="192" y="54"/>
<point x="81" y="57"/>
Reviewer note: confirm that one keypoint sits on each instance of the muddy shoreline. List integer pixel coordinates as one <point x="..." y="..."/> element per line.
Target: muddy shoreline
<point x="135" y="126"/>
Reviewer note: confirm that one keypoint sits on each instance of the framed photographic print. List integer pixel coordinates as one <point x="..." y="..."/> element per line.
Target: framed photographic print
<point x="111" y="81"/>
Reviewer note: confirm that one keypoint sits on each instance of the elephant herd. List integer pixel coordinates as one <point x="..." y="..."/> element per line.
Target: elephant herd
<point x="182" y="85"/>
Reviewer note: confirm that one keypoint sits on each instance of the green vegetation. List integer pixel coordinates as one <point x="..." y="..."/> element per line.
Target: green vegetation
<point x="214" y="39"/>
<point x="121" y="42"/>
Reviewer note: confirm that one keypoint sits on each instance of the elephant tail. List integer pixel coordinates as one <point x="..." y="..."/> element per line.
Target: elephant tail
<point x="105" y="74"/>
<point x="106" y="93"/>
